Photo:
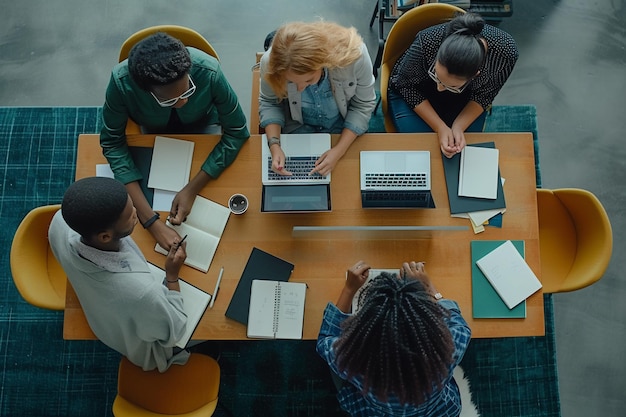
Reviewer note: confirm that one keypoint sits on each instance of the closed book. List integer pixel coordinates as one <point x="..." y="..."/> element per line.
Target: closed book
<point x="509" y="274"/>
<point x="478" y="172"/>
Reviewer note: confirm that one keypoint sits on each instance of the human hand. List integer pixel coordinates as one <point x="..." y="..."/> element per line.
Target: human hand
<point x="326" y="162"/>
<point x="357" y="275"/>
<point x="449" y="144"/>
<point x="165" y="236"/>
<point x="278" y="160"/>
<point x="415" y="270"/>
<point x="181" y="206"/>
<point x="175" y="259"/>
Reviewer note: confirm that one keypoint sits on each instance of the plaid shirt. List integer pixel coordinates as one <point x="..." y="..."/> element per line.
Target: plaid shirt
<point x="442" y="403"/>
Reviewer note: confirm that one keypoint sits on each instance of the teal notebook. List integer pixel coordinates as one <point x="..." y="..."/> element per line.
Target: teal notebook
<point x="486" y="303"/>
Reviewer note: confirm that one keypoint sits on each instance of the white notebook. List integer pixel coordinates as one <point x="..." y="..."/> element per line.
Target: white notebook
<point x="509" y="274"/>
<point x="204" y="227"/>
<point x="373" y="273"/>
<point x="171" y="164"/>
<point x="195" y="302"/>
<point x="276" y="309"/>
<point x="478" y="172"/>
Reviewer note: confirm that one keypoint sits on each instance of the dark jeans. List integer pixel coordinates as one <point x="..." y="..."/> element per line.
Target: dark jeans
<point x="407" y="121"/>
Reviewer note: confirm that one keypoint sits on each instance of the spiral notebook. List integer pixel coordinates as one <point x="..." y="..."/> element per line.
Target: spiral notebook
<point x="276" y="309"/>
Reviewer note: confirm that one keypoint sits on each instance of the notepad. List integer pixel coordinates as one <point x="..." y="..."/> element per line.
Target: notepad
<point x="171" y="164"/>
<point x="486" y="303"/>
<point x="373" y="273"/>
<point x="509" y="274"/>
<point x="195" y="302"/>
<point x="276" y="309"/>
<point x="478" y="172"/>
<point x="204" y="227"/>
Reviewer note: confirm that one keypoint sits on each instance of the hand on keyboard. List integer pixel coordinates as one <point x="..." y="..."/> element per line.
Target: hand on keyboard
<point x="278" y="161"/>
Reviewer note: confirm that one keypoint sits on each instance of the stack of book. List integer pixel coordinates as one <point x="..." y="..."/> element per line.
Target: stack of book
<point x="475" y="187"/>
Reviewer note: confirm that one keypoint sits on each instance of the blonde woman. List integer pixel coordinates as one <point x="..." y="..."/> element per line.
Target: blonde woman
<point x="316" y="77"/>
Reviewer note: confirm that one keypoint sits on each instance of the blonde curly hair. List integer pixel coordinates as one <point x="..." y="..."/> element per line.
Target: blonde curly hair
<point x="302" y="48"/>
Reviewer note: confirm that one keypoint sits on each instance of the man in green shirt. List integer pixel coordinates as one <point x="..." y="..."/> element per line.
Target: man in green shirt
<point x="168" y="88"/>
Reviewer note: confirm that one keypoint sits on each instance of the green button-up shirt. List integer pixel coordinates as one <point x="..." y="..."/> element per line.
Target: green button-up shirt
<point x="214" y="102"/>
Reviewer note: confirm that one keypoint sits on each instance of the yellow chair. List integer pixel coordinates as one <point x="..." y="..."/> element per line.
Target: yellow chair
<point x="401" y="36"/>
<point x="189" y="390"/>
<point x="38" y="276"/>
<point x="188" y="37"/>
<point x="575" y="239"/>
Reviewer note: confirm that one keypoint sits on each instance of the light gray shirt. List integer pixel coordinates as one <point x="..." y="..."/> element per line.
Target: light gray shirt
<point x="126" y="307"/>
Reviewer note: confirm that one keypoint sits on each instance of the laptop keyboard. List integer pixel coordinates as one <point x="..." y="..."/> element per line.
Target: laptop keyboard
<point x="399" y="180"/>
<point x="299" y="166"/>
<point x="418" y="196"/>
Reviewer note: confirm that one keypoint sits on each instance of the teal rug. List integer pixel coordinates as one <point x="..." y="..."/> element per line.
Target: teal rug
<point x="43" y="375"/>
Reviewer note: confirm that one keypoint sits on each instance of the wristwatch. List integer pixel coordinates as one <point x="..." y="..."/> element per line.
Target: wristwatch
<point x="273" y="141"/>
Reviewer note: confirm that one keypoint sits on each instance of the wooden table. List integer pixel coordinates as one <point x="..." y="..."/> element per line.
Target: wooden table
<point x="322" y="263"/>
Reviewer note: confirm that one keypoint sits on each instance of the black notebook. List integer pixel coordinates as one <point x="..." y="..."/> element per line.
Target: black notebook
<point x="261" y="265"/>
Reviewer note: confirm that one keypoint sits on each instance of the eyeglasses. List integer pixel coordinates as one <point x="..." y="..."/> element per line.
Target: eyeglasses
<point x="172" y="101"/>
<point x="433" y="76"/>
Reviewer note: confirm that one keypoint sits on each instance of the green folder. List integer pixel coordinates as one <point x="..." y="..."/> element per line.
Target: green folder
<point x="486" y="303"/>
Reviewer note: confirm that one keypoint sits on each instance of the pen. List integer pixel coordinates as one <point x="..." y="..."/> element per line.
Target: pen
<point x="181" y="242"/>
<point x="217" y="287"/>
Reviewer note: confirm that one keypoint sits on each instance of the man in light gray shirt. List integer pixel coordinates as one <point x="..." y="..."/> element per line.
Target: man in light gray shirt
<point x="127" y="308"/>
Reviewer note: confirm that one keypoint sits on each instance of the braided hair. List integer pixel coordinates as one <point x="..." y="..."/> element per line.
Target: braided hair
<point x="397" y="342"/>
<point x="462" y="52"/>
<point x="159" y="59"/>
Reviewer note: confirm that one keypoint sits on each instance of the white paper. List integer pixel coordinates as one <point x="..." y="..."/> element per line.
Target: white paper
<point x="171" y="164"/>
<point x="104" y="170"/>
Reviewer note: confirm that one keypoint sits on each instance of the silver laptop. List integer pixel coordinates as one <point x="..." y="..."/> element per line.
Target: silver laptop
<point x="395" y="179"/>
<point x="301" y="152"/>
<point x="299" y="192"/>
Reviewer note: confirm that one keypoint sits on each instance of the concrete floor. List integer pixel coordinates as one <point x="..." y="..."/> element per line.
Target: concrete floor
<point x="572" y="67"/>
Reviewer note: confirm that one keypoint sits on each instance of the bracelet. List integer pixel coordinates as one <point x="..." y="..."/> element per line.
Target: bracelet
<point x="171" y="282"/>
<point x="151" y="220"/>
<point x="273" y="141"/>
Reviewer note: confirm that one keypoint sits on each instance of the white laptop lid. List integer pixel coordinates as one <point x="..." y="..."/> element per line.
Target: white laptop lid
<point x="311" y="145"/>
<point x="395" y="170"/>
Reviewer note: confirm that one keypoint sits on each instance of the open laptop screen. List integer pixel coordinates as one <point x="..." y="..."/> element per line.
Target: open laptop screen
<point x="296" y="198"/>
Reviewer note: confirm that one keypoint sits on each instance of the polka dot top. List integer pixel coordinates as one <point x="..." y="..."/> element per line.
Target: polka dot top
<point x="412" y="67"/>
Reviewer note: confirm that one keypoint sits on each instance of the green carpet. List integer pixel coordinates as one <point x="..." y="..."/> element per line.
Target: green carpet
<point x="43" y="375"/>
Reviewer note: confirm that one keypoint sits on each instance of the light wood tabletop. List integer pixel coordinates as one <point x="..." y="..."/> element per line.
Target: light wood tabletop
<point x="322" y="262"/>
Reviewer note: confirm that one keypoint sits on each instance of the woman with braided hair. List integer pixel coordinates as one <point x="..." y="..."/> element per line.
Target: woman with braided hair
<point x="396" y="354"/>
<point x="449" y="76"/>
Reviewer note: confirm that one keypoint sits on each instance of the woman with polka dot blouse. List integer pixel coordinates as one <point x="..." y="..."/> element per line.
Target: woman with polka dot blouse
<point x="448" y="78"/>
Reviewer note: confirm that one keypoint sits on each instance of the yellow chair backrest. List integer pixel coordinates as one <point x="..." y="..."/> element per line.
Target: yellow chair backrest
<point x="188" y="37"/>
<point x="188" y="390"/>
<point x="575" y="237"/>
<point x="37" y="274"/>
<point x="401" y="36"/>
